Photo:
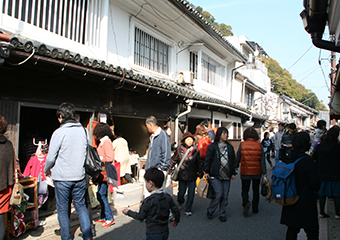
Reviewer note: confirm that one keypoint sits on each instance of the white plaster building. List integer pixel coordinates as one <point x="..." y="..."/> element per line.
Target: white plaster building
<point x="129" y="59"/>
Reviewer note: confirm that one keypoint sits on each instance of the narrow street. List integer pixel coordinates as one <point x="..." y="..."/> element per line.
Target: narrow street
<point x="264" y="225"/>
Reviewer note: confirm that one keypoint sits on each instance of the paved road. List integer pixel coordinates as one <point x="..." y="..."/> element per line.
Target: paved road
<point x="264" y="225"/>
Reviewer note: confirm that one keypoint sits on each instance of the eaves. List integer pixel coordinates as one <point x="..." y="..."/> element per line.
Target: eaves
<point x="305" y="107"/>
<point x="251" y="84"/>
<point x="196" y="17"/>
<point x="32" y="50"/>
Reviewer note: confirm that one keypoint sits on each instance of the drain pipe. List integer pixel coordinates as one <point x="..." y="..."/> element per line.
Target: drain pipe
<point x="319" y="43"/>
<point x="189" y="104"/>
<point x="232" y="80"/>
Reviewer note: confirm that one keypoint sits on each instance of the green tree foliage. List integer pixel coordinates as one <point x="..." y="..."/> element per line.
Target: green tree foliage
<point x="225" y="30"/>
<point x="283" y="83"/>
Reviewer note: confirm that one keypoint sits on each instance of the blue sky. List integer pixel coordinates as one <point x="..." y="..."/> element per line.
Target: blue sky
<point x="276" y="25"/>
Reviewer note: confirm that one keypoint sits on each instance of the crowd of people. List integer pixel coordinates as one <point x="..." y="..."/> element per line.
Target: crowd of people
<point x="208" y="154"/>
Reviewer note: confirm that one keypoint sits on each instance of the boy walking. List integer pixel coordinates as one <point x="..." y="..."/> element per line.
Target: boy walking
<point x="156" y="208"/>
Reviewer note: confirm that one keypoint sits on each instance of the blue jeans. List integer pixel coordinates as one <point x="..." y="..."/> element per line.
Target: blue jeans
<point x="157" y="236"/>
<point x="64" y="192"/>
<point x="183" y="185"/>
<point x="221" y="188"/>
<point x="277" y="156"/>
<point x="105" y="213"/>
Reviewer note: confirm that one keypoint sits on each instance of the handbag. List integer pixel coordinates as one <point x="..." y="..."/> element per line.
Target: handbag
<point x="202" y="188"/>
<point x="264" y="190"/>
<point x="18" y="189"/>
<point x="174" y="174"/>
<point x="93" y="164"/>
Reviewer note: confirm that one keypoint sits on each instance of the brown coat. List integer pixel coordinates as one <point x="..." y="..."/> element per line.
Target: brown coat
<point x="6" y="163"/>
<point x="251" y="153"/>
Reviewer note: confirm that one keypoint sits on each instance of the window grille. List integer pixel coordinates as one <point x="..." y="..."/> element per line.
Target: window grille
<point x="66" y="18"/>
<point x="151" y="53"/>
<point x="212" y="72"/>
<point x="194" y="63"/>
<point x="249" y="96"/>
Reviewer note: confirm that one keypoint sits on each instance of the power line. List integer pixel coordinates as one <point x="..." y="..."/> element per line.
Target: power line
<point x="294" y="63"/>
<point x="324" y="76"/>
<point x="309" y="74"/>
<point x="316" y="65"/>
<point x="314" y="95"/>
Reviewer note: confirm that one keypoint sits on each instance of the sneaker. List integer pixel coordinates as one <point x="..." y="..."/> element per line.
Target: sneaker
<point x="209" y="215"/>
<point x="222" y="219"/>
<point x="100" y="221"/>
<point x="324" y="215"/>
<point x="246" y="209"/>
<point x="179" y="205"/>
<point x="188" y="213"/>
<point x="108" y="223"/>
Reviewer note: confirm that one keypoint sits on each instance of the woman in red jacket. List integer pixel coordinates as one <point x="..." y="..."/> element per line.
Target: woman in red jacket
<point x="6" y="173"/>
<point x="251" y="160"/>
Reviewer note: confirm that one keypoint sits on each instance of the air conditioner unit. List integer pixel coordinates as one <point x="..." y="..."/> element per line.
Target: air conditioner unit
<point x="185" y="77"/>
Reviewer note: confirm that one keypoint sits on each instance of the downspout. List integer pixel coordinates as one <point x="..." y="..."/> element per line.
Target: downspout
<point x="232" y="80"/>
<point x="314" y="18"/>
<point x="319" y="43"/>
<point x="244" y="91"/>
<point x="189" y="104"/>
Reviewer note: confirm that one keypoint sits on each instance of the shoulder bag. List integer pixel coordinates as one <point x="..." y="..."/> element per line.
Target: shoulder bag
<point x="18" y="189"/>
<point x="174" y="174"/>
<point x="93" y="164"/>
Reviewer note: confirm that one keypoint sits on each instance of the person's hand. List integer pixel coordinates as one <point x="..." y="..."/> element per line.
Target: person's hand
<point x="289" y="145"/>
<point x="233" y="177"/>
<point x="265" y="175"/>
<point x="48" y="174"/>
<point x="174" y="223"/>
<point x="125" y="211"/>
<point x="207" y="176"/>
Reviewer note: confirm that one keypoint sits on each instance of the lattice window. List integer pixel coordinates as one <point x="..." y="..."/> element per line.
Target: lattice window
<point x="66" y="18"/>
<point x="151" y="53"/>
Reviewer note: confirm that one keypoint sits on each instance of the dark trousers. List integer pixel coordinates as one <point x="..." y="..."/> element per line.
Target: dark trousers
<point x="183" y="186"/>
<point x="256" y="192"/>
<point x="293" y="232"/>
<point x="268" y="158"/>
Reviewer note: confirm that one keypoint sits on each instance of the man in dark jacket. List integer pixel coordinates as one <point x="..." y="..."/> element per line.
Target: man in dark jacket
<point x="304" y="213"/>
<point x="286" y="141"/>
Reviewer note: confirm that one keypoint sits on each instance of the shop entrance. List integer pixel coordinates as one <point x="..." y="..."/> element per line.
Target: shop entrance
<point x="39" y="122"/>
<point x="134" y="132"/>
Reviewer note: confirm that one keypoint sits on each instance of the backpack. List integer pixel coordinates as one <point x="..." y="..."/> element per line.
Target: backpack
<point x="203" y="145"/>
<point x="283" y="183"/>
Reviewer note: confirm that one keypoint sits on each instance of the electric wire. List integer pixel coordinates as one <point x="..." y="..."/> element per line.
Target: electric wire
<point x="308" y="74"/>
<point x="293" y="63"/>
<point x="313" y="95"/>
<point x="323" y="73"/>
<point x="22" y="62"/>
<point x="161" y="17"/>
<point x="122" y="80"/>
